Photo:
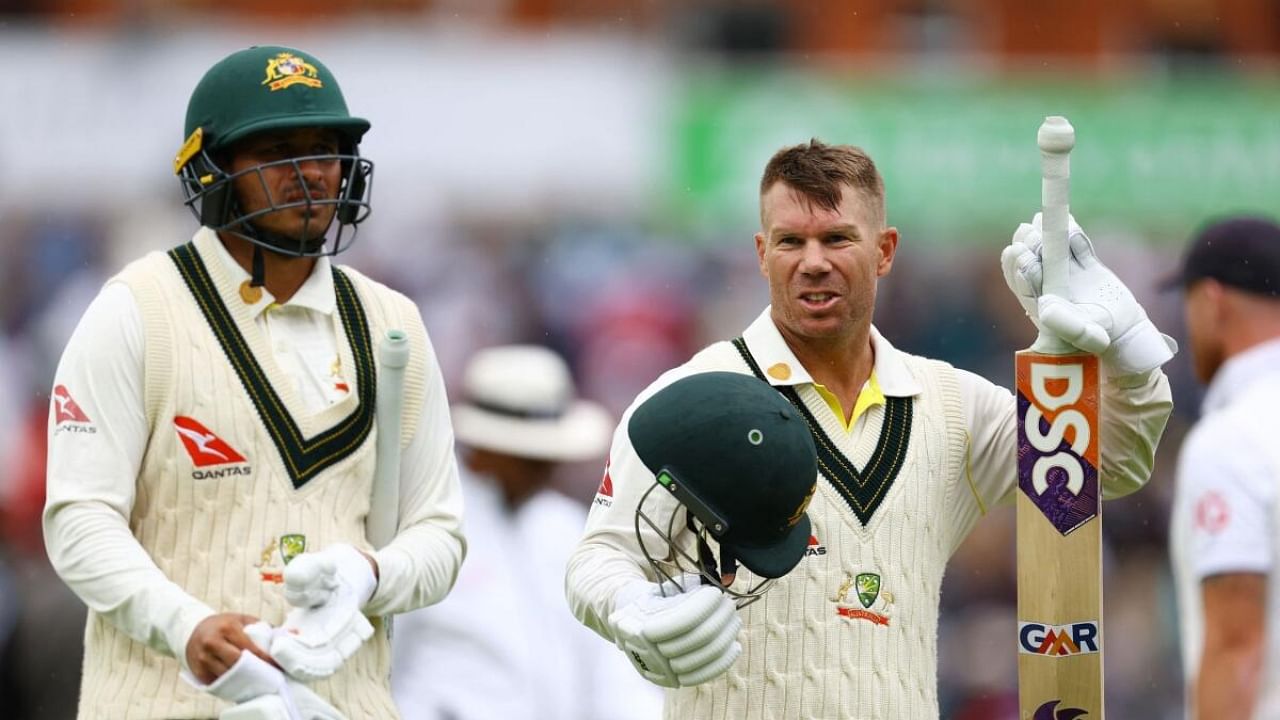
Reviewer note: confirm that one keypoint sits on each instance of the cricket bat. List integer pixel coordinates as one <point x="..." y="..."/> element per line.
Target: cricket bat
<point x="1059" y="510"/>
<point x="384" y="504"/>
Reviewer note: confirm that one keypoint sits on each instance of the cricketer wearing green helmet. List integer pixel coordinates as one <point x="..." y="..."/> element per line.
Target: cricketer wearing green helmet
<point x="237" y="425"/>
<point x="262" y="94"/>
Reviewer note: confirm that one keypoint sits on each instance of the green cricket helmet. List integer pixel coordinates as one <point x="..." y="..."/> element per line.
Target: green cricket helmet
<point x="741" y="462"/>
<point x="263" y="89"/>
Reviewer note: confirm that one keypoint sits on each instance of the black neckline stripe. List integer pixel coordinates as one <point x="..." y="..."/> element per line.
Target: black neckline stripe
<point x="862" y="491"/>
<point x="303" y="457"/>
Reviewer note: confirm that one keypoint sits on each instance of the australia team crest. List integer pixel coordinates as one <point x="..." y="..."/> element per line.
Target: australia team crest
<point x="860" y="597"/>
<point x="277" y="553"/>
<point x="287" y="69"/>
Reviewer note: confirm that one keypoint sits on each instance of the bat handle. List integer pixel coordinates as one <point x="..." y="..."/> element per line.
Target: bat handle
<point x="1056" y="138"/>
<point x="384" y="504"/>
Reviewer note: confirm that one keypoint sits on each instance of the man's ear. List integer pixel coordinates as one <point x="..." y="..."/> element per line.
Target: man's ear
<point x="888" y="243"/>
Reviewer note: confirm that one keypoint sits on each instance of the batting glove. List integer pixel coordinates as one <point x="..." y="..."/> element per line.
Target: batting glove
<point x="327" y="589"/>
<point x="262" y="692"/>
<point x="1100" y="316"/>
<point x="684" y="638"/>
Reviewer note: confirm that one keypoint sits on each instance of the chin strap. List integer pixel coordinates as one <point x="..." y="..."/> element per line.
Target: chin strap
<point x="259" y="267"/>
<point x="706" y="558"/>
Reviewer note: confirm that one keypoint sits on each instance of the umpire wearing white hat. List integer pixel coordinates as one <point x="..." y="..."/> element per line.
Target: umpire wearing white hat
<point x="503" y="644"/>
<point x="520" y="401"/>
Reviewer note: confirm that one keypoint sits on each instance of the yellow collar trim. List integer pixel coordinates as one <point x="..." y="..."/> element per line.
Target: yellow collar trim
<point x="870" y="396"/>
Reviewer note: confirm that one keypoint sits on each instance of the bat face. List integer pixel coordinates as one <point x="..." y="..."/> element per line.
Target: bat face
<point x="1059" y="538"/>
<point x="1058" y="436"/>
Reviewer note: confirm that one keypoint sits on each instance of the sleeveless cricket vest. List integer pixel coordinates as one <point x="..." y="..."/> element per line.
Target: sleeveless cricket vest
<point x="851" y="633"/>
<point x="238" y="477"/>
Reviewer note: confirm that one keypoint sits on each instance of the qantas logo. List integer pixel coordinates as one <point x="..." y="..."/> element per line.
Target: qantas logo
<point x="815" y="547"/>
<point x="67" y="415"/>
<point x="203" y="446"/>
<point x="66" y="409"/>
<point x="1058" y="640"/>
<point x="604" y="493"/>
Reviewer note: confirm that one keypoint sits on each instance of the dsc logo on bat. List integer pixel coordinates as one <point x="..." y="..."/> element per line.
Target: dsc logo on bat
<point x="1057" y="388"/>
<point x="1057" y="436"/>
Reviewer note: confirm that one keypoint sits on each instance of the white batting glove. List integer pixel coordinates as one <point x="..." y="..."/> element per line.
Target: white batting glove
<point x="327" y="589"/>
<point x="262" y="692"/>
<point x="1101" y="316"/>
<point x="686" y="638"/>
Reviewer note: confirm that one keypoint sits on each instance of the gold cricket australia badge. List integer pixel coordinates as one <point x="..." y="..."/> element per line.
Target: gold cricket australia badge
<point x="867" y="592"/>
<point x="287" y="69"/>
<point x="277" y="553"/>
<point x="291" y="546"/>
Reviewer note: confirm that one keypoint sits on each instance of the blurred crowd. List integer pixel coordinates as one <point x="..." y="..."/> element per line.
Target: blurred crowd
<point x="622" y="301"/>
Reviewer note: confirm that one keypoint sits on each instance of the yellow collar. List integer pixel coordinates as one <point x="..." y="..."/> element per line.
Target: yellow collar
<point x="870" y="396"/>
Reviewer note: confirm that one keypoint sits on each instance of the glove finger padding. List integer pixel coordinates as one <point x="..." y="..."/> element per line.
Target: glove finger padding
<point x="313" y="579"/>
<point x="317" y="642"/>
<point x="1021" y="269"/>
<point x="712" y="670"/>
<point x="647" y="660"/>
<point x="676" y="616"/>
<point x="310" y="580"/>
<point x="723" y="616"/>
<point x="699" y="656"/>
<point x="1072" y="323"/>
<point x="679" y="640"/>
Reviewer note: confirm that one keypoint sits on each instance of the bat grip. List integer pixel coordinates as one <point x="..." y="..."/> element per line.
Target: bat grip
<point x="1056" y="138"/>
<point x="384" y="503"/>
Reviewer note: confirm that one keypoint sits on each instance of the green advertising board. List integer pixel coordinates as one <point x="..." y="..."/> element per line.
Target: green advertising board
<point x="959" y="156"/>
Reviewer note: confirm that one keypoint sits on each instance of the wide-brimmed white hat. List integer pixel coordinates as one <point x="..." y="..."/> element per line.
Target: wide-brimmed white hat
<point x="520" y="400"/>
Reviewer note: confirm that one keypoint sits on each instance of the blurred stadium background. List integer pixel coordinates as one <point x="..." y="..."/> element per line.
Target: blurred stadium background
<point x="582" y="173"/>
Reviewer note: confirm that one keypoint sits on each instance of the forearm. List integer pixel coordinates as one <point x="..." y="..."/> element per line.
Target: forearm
<point x="94" y="553"/>
<point x="417" y="569"/>
<point x="1134" y="412"/>
<point x="419" y="566"/>
<point x="1227" y="684"/>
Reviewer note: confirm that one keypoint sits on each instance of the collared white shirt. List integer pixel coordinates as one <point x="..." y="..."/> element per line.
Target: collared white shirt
<point x="1136" y="408"/>
<point x="1226" y="514"/>
<point x="103" y="372"/>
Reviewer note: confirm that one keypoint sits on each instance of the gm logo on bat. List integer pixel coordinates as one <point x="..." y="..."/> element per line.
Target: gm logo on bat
<point x="1081" y="638"/>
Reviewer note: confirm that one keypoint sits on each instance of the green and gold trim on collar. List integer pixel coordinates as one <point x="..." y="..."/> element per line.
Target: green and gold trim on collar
<point x="865" y="490"/>
<point x="303" y="457"/>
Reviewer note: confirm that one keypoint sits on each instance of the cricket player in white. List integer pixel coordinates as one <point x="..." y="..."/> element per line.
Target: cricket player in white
<point x="1225" y="531"/>
<point x="912" y="453"/>
<point x="212" y="433"/>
